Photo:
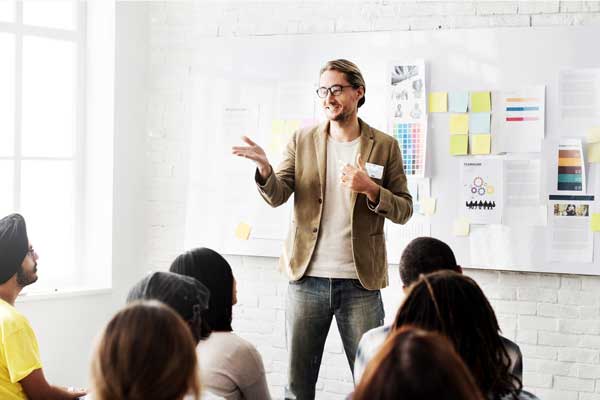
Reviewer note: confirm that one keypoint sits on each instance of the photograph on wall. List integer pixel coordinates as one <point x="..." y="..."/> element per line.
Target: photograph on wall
<point x="408" y="117"/>
<point x="481" y="191"/>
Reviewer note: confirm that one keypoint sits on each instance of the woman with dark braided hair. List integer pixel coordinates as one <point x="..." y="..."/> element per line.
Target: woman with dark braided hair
<point x="454" y="305"/>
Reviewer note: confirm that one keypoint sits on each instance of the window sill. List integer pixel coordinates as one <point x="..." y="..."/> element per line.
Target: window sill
<point x="61" y="294"/>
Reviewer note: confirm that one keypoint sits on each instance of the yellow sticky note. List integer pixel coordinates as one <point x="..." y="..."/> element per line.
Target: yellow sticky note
<point x="481" y="144"/>
<point x="277" y="126"/>
<point x="461" y="227"/>
<point x="593" y="152"/>
<point x="593" y="134"/>
<point x="459" y="145"/>
<point x="242" y="231"/>
<point x="480" y="102"/>
<point x="438" y="102"/>
<point x="459" y="124"/>
<point x="428" y="205"/>
<point x="595" y="223"/>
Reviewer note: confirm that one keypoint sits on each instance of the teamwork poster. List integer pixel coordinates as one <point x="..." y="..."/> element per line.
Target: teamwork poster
<point x="408" y="118"/>
<point x="481" y="191"/>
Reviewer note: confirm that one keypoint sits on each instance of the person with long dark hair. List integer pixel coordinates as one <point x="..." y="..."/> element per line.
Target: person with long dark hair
<point x="230" y="366"/>
<point x="422" y="255"/>
<point x="145" y="352"/>
<point x="414" y="364"/>
<point x="455" y="306"/>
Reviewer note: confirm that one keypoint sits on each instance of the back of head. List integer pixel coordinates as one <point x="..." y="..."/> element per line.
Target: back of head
<point x="14" y="245"/>
<point x="214" y="272"/>
<point x="419" y="365"/>
<point x="424" y="255"/>
<point x="454" y="305"/>
<point x="352" y="73"/>
<point x="188" y="297"/>
<point x="145" y="352"/>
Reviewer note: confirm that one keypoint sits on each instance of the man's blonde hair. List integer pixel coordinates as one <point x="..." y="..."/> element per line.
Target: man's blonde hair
<point x="352" y="73"/>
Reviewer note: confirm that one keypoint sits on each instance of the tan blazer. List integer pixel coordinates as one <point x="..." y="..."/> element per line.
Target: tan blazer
<point x="302" y="172"/>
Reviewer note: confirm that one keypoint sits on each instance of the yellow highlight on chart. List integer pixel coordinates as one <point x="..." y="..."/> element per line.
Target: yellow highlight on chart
<point x="438" y="102"/>
<point x="242" y="231"/>
<point x="481" y="144"/>
<point x="459" y="124"/>
<point x="459" y="145"/>
<point x="480" y="102"/>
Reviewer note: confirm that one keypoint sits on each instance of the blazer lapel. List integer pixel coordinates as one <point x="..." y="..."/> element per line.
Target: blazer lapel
<point x="366" y="145"/>
<point x="320" y="140"/>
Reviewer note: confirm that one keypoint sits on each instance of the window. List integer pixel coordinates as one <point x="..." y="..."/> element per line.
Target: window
<point x="43" y="138"/>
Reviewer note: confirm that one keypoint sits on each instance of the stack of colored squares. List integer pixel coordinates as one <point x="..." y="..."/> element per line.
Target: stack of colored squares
<point x="412" y="141"/>
<point x="570" y="170"/>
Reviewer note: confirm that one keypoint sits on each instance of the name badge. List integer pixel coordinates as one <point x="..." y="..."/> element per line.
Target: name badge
<point x="375" y="171"/>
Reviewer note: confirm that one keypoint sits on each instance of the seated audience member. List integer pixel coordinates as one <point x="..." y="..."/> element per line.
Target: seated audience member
<point x="414" y="364"/>
<point x="21" y="374"/>
<point x="230" y="366"/>
<point x="145" y="352"/>
<point x="423" y="255"/>
<point x="185" y="295"/>
<point x="454" y="305"/>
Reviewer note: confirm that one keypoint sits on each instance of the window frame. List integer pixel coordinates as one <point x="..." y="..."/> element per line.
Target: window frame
<point x="77" y="35"/>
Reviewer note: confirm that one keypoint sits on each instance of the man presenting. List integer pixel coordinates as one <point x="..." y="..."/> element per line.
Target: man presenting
<point x="346" y="178"/>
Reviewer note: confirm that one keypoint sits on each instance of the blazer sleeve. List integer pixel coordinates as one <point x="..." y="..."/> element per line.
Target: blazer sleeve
<point x="395" y="201"/>
<point x="279" y="186"/>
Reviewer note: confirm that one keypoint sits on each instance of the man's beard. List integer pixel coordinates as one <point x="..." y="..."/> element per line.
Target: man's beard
<point x="25" y="279"/>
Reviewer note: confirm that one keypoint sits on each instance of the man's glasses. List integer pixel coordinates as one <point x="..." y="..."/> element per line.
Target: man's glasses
<point x="335" y="90"/>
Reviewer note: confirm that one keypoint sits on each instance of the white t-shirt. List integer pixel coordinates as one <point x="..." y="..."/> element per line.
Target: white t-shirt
<point x="333" y="256"/>
<point x="231" y="367"/>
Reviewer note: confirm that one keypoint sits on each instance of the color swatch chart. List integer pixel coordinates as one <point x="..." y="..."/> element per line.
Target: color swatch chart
<point x="570" y="174"/>
<point x="412" y="138"/>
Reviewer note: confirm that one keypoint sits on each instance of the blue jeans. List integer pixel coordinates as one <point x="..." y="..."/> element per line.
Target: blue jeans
<point x="311" y="304"/>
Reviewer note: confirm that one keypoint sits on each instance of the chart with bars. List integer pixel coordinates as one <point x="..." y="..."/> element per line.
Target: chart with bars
<point x="412" y="138"/>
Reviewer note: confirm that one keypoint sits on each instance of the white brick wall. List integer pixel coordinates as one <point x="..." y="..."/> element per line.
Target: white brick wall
<point x="555" y="318"/>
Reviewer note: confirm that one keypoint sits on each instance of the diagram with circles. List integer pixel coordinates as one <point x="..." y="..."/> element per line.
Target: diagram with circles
<point x="481" y="188"/>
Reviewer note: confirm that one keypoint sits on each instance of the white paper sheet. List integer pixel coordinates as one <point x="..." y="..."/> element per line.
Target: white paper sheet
<point x="518" y="120"/>
<point x="504" y="247"/>
<point x="579" y="95"/>
<point x="522" y="183"/>
<point x="398" y="236"/>
<point x="570" y="238"/>
<point x="481" y="199"/>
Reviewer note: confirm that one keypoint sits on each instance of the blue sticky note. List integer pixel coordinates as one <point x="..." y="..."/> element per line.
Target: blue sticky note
<point x="479" y="122"/>
<point x="458" y="102"/>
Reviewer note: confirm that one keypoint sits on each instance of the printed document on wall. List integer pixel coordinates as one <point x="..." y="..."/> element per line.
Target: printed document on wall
<point x="571" y="239"/>
<point x="522" y="183"/>
<point x="579" y="95"/>
<point x="518" y="120"/>
<point x="481" y="190"/>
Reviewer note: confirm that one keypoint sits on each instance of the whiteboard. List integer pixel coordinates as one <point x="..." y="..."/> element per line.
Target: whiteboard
<point x="274" y="77"/>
